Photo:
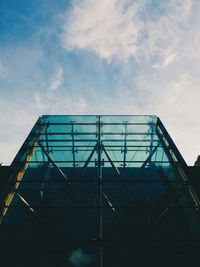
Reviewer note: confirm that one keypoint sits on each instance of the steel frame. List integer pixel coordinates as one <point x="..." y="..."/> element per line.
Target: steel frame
<point x="40" y="139"/>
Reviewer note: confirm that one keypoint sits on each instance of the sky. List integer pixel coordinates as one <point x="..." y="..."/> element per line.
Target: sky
<point x="100" y="57"/>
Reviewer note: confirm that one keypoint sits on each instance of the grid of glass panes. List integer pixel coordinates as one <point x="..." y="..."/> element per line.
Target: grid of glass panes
<point x="89" y="176"/>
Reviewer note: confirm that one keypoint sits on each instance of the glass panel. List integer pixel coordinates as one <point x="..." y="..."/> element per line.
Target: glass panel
<point x="98" y="191"/>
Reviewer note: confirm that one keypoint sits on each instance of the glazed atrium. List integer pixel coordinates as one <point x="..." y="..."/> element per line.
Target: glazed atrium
<point x="99" y="191"/>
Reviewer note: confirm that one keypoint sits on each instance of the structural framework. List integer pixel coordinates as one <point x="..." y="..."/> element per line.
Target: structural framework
<point x="99" y="191"/>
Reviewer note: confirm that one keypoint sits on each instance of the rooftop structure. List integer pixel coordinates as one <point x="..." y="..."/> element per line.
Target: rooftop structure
<point x="99" y="191"/>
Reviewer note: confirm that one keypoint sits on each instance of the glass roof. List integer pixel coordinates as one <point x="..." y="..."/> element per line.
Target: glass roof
<point x="94" y="191"/>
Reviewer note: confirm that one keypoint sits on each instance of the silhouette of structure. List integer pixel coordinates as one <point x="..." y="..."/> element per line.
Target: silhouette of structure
<point x="99" y="191"/>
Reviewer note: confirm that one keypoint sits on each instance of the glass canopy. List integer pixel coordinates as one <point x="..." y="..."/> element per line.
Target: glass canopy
<point x="99" y="191"/>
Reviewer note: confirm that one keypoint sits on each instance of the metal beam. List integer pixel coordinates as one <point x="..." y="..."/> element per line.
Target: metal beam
<point x="88" y="160"/>
<point x="125" y="144"/>
<point x="179" y="171"/>
<point x="9" y="197"/>
<point x="151" y="133"/>
<point x="170" y="190"/>
<point x="16" y="180"/>
<point x="73" y="145"/>
<point x="29" y="206"/>
<point x="109" y="202"/>
<point x="110" y="160"/>
<point x="54" y="164"/>
<point x="99" y="177"/>
<point x="146" y="161"/>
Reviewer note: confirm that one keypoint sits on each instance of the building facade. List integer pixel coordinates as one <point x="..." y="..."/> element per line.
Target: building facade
<point x="99" y="191"/>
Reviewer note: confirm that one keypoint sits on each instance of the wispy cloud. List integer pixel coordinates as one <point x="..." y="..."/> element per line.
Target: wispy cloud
<point x="124" y="29"/>
<point x="18" y="122"/>
<point x="156" y="45"/>
<point x="80" y="105"/>
<point x="107" y="28"/>
<point x="27" y="93"/>
<point x="57" y="79"/>
<point x="38" y="102"/>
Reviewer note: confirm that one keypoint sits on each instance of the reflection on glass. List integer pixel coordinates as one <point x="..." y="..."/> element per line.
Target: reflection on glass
<point x="98" y="191"/>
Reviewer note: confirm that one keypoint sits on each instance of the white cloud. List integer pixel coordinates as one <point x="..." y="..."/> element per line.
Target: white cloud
<point x="169" y="59"/>
<point x="80" y="105"/>
<point x="107" y="28"/>
<point x="39" y="105"/>
<point x="122" y="29"/>
<point x="159" y="38"/>
<point x="57" y="79"/>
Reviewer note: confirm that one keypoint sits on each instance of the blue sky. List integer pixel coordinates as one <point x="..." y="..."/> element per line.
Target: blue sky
<point x="100" y="57"/>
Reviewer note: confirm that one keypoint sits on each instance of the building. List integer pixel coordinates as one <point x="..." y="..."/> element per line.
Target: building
<point x="99" y="191"/>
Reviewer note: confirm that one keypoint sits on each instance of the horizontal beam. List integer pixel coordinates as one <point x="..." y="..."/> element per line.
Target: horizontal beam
<point x="105" y="161"/>
<point x="106" y="146"/>
<point x="94" y="133"/>
<point x="104" y="140"/>
<point x="106" y="181"/>
<point x="94" y="123"/>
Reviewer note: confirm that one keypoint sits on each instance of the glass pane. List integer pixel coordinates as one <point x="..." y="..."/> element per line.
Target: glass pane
<point x="98" y="191"/>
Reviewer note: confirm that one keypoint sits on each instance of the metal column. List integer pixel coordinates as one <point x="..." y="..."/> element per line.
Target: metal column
<point x="99" y="177"/>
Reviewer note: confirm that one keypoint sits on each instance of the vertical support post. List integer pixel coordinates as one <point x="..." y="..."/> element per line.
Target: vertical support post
<point x="46" y="139"/>
<point x="99" y="176"/>
<point x="47" y="144"/>
<point x="45" y="164"/>
<point x="151" y="130"/>
<point x="125" y="143"/>
<point x="73" y="145"/>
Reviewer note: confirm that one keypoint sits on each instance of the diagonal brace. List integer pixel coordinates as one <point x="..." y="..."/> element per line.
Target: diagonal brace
<point x="110" y="160"/>
<point x="109" y="203"/>
<point x="146" y="161"/>
<point x="28" y="206"/>
<point x="54" y="164"/>
<point x="88" y="160"/>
